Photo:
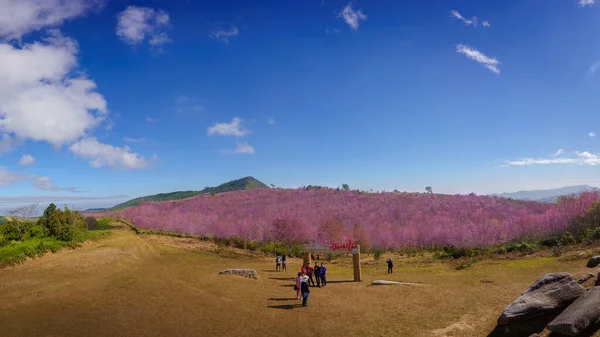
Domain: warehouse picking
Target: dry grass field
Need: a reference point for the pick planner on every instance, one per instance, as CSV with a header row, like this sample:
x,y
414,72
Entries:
x,y
129,285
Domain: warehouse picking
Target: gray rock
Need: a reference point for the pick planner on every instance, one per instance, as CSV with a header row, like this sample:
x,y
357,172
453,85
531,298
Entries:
x,y
251,273
580,315
593,261
585,278
546,295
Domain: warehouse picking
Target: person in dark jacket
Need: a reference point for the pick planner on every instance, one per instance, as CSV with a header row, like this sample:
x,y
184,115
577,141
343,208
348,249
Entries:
x,y
390,264
317,272
305,290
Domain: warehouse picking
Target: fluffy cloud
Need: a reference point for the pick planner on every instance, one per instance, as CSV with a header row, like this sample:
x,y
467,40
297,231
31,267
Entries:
x,y
472,21
559,152
9,178
19,17
477,56
45,183
584,3
229,129
580,158
486,24
107,155
352,17
8,143
136,24
224,33
27,159
592,134
244,148
41,97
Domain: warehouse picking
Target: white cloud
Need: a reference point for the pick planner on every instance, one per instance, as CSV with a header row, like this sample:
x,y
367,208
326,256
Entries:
x,y
8,143
150,120
593,68
271,121
244,148
229,129
559,152
332,31
580,158
468,22
352,17
224,33
584,3
592,134
486,24
108,155
8,178
134,140
477,56
20,17
45,183
136,24
42,97
27,159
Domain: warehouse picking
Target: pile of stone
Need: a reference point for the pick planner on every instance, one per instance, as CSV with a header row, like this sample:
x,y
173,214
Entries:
x,y
557,300
250,273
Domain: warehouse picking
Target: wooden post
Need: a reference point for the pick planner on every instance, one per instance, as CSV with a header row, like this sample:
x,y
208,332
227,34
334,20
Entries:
x,y
356,263
307,258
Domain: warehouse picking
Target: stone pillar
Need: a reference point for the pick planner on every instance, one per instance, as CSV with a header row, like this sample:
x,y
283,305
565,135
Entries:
x,y
307,258
356,263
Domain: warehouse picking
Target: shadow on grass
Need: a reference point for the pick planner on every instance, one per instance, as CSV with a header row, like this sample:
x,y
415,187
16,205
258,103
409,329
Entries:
x,y
283,278
283,299
341,281
528,328
288,285
286,306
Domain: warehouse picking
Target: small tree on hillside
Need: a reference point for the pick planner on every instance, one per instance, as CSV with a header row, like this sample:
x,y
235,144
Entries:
x,y
345,187
20,221
429,189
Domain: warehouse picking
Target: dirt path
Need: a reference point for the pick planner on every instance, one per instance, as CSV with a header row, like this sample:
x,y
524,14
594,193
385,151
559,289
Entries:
x,y
129,285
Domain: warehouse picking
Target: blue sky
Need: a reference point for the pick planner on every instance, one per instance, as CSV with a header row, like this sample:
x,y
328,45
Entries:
x,y
138,97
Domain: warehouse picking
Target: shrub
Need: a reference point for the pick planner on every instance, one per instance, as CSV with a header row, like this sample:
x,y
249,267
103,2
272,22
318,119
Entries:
x,y
91,222
567,239
377,253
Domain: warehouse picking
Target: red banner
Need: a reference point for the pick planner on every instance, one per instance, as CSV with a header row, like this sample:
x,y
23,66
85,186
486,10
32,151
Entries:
x,y
337,246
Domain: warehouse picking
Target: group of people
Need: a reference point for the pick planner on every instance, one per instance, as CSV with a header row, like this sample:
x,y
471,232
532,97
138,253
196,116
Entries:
x,y
281,263
305,278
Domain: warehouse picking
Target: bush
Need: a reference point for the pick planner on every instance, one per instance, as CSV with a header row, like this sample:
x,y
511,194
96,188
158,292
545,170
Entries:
x,y
567,239
550,242
91,222
377,253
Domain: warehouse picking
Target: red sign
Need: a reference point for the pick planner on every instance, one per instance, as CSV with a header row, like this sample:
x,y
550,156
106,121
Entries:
x,y
338,246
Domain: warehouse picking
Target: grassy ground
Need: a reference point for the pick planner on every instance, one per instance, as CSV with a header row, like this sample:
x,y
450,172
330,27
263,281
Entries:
x,y
128,285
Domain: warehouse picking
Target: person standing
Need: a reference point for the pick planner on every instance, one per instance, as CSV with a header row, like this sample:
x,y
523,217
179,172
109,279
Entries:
x,y
278,263
303,270
305,290
317,272
323,272
309,273
299,286
390,264
283,263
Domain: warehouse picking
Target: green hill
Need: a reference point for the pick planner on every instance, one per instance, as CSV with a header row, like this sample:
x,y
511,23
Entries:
x,y
246,183
2,220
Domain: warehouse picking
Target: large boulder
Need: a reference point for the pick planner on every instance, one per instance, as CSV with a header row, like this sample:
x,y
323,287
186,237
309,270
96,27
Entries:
x,y
579,316
593,261
548,294
251,273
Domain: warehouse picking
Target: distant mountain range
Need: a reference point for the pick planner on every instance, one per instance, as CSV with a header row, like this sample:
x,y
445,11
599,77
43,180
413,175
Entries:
x,y
246,183
550,195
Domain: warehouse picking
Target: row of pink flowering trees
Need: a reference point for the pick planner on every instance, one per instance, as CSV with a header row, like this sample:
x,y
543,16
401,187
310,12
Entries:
x,y
381,219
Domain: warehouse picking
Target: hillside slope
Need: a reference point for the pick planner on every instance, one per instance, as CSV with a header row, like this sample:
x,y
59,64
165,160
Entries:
x,y
246,183
550,195
383,219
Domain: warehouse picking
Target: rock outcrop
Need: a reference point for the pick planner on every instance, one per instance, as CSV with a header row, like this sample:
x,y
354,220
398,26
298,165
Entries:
x,y
580,315
593,261
585,278
547,295
250,273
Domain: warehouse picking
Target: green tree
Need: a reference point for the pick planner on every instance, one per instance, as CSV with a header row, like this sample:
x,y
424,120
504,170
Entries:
x,y
429,189
345,187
